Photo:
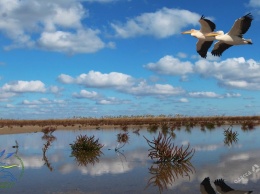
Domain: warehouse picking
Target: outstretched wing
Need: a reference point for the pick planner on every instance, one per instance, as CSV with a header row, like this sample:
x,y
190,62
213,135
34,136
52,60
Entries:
x,y
219,48
207,26
222,186
241,25
205,187
202,47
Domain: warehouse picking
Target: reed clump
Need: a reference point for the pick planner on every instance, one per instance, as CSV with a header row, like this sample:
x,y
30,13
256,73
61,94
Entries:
x,y
122,137
162,150
86,149
164,175
230,136
49,130
85,143
247,125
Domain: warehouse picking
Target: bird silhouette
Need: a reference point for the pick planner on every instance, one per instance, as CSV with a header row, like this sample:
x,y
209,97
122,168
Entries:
x,y
204,42
205,187
233,37
221,187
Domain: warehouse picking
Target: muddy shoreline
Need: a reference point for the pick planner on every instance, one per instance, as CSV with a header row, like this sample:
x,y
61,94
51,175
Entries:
x,y
8,126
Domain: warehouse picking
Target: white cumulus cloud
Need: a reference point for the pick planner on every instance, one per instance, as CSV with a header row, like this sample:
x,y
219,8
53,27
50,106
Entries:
x,y
83,41
162,23
86,94
204,95
143,89
99,80
254,3
24,86
169,65
49,25
233,72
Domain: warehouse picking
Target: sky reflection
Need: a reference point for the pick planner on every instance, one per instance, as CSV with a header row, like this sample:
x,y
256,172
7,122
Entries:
x,y
127,171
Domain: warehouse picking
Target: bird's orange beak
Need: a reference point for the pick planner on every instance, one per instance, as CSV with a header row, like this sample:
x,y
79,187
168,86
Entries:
x,y
187,32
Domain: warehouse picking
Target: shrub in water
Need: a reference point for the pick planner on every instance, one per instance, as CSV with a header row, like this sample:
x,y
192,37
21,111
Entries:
x,y
163,150
86,149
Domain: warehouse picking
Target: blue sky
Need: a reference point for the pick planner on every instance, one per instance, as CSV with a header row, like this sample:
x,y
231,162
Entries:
x,y
93,58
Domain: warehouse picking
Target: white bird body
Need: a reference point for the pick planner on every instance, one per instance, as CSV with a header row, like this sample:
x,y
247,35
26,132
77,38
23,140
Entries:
x,y
233,37
204,42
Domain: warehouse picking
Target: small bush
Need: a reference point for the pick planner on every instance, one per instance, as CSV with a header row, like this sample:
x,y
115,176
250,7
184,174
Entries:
x,y
163,150
48,130
122,137
230,136
86,150
85,143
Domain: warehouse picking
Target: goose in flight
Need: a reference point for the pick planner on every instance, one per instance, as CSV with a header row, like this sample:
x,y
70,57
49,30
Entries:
x,y
221,187
233,37
204,42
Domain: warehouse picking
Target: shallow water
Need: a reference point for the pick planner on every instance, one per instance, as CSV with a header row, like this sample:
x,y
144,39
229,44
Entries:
x,y
129,169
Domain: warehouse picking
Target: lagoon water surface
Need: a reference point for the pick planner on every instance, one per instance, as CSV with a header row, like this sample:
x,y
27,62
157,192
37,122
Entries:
x,y
46,164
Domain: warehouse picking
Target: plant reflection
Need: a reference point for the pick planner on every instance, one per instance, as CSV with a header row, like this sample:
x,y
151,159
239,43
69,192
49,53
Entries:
x,y
48,134
121,138
152,128
165,174
87,157
248,126
230,136
49,138
86,150
44,157
170,161
163,150
137,132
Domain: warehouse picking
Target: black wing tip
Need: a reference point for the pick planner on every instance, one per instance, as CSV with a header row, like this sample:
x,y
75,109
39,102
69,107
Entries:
x,y
219,181
210,23
216,54
224,187
207,186
205,181
203,55
248,16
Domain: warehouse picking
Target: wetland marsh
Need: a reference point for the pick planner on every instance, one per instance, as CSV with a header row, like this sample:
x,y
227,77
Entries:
x,y
48,165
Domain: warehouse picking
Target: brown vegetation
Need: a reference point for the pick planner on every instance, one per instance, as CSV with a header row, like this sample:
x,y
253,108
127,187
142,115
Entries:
x,y
86,150
153,122
162,150
230,136
170,161
164,175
